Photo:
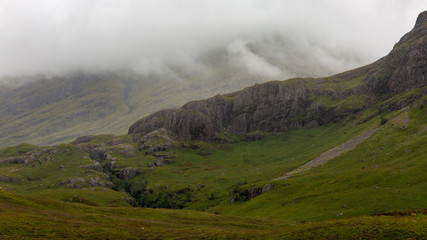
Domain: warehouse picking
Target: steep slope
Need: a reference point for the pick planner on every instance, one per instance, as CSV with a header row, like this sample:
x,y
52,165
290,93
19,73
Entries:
x,y
296,103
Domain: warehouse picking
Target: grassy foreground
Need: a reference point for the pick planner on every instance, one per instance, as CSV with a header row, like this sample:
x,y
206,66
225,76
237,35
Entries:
x,y
23,217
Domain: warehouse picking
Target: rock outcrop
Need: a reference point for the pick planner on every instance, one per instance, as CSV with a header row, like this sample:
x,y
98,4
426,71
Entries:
x,y
29,157
127,173
156,141
83,139
248,194
405,67
81,182
96,166
266,107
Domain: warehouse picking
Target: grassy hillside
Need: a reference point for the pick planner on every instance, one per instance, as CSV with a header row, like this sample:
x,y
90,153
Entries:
x,y
23,217
202,176
384,173
376,190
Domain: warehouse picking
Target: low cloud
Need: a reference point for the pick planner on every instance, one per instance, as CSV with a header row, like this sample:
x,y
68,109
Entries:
x,y
242,56
55,36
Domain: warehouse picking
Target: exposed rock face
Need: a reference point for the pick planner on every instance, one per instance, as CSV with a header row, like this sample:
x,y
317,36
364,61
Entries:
x,y
280,106
267,107
248,194
99,154
127,173
406,65
253,192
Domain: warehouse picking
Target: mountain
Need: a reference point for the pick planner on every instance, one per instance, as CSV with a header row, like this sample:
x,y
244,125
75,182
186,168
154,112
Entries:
x,y
341,157
292,104
55,109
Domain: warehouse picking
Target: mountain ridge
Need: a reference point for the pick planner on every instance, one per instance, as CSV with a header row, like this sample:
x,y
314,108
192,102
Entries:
x,y
48,110
279,106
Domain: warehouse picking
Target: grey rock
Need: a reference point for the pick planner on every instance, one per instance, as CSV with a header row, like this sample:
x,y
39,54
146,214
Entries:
x,y
81,182
156,141
267,187
127,173
158,162
83,139
28,157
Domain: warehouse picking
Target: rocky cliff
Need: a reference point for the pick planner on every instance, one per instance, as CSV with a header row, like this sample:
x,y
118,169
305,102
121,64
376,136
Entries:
x,y
295,103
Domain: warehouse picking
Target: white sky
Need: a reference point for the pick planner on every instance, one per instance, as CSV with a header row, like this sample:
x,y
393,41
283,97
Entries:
x,y
50,36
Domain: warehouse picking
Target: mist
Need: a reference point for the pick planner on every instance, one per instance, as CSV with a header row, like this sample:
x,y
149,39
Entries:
x,y
272,38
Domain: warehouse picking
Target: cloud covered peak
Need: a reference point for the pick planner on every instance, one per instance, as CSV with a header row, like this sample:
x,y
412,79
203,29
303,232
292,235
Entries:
x,y
62,35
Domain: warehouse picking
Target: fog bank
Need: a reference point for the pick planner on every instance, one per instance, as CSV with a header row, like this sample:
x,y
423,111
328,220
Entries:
x,y
266,37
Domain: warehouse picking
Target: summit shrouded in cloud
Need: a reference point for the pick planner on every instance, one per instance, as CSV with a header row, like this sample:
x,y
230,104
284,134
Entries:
x,y
54,36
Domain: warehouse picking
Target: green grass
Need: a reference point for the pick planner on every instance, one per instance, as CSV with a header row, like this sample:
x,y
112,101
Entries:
x,y
44,178
377,169
24,217
337,200
384,173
